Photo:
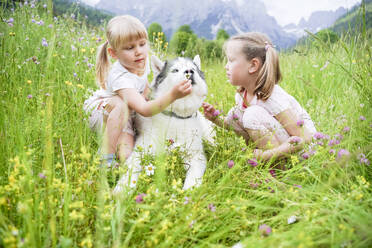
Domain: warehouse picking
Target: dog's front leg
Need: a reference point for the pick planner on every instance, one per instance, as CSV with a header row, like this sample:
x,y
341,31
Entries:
x,y
195,171
130,178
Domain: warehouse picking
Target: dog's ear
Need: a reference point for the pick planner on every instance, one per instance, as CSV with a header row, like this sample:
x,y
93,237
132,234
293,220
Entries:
x,y
197,61
156,64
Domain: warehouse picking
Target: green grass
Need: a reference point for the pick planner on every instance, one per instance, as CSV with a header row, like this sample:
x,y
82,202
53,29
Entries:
x,y
53,194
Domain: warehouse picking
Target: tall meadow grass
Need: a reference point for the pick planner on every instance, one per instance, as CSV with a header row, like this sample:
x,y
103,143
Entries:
x,y
54,194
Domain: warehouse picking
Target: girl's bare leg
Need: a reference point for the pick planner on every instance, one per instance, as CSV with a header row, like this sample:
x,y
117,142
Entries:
x,y
115,121
125,145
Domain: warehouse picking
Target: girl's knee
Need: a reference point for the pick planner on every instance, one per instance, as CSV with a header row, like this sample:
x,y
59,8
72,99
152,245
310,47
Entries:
x,y
117,103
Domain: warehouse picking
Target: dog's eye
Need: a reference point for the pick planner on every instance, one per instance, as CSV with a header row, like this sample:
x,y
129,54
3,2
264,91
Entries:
x,y
175,70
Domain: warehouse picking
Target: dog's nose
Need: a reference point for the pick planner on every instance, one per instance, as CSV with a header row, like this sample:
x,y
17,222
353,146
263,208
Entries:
x,y
189,74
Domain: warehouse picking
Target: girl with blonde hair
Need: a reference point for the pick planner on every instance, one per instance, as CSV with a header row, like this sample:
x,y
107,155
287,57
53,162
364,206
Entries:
x,y
124,87
264,112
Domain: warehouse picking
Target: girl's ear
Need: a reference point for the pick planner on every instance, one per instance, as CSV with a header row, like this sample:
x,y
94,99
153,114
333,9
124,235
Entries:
x,y
112,52
254,65
156,64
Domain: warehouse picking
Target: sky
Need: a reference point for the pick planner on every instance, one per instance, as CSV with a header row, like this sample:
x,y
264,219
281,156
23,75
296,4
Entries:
x,y
291,11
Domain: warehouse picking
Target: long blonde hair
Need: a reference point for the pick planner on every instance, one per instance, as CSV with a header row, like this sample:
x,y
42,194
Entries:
x,y
258,45
119,30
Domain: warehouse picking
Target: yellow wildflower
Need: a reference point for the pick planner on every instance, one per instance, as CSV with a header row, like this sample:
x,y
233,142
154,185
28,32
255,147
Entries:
x,y
80,86
29,81
87,242
74,215
2,201
83,50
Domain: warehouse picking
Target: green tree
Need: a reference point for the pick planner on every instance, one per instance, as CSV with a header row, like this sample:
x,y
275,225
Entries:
x,y
222,35
328,36
185,28
178,43
153,31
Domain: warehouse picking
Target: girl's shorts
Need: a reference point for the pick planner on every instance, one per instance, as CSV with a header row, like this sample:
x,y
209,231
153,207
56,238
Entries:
x,y
96,110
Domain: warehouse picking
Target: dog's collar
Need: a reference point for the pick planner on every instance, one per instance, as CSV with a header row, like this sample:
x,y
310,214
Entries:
x,y
172,114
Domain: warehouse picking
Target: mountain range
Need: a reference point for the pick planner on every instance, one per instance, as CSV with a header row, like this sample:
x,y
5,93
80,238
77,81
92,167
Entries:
x,y
318,20
205,17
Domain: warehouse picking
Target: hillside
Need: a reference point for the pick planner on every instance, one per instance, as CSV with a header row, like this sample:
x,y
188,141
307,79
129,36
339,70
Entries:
x,y
90,15
353,20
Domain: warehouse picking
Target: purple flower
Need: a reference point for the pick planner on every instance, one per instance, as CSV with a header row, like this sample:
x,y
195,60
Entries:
x,y
333,142
272,172
11,20
29,96
305,155
139,198
364,161
343,153
332,151
42,176
312,152
297,185
265,230
339,136
362,118
320,143
300,123
40,23
362,158
346,129
186,200
216,113
252,162
10,24
44,42
235,116
254,185
319,135
44,6
212,207
295,140
230,164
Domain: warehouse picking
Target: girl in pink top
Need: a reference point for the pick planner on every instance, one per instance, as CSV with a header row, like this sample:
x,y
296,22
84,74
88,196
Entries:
x,y
264,112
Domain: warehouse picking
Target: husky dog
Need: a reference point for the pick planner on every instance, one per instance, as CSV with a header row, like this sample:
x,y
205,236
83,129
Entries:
x,y
181,122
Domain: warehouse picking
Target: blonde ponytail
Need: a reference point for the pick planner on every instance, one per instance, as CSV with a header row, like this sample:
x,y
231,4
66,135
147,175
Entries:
x,y
102,65
269,74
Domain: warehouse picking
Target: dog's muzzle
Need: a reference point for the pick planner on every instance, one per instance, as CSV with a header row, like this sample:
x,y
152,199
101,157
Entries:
x,y
189,74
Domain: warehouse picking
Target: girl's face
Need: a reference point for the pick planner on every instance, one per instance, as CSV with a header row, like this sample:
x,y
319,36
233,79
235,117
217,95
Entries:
x,y
237,67
132,55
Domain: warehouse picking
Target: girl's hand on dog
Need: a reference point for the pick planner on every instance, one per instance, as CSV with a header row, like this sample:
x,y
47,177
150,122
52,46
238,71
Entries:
x,y
182,89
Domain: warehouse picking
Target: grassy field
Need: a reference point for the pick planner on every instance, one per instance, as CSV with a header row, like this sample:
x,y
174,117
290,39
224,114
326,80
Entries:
x,y
53,194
